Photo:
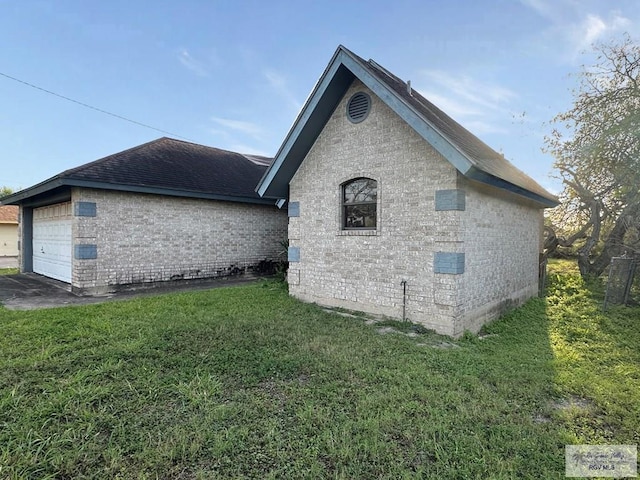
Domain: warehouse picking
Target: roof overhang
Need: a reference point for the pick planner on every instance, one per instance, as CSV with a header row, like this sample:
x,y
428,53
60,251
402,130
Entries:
x,y
480,176
334,82
331,87
343,68
53,188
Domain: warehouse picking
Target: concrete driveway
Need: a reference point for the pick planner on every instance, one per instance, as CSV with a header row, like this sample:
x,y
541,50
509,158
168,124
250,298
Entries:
x,y
30,291
27,291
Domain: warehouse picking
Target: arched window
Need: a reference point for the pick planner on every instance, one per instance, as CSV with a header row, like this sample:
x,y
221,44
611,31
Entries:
x,y
359,198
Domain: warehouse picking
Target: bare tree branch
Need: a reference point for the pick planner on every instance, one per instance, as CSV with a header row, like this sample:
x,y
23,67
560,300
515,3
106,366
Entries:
x,y
596,144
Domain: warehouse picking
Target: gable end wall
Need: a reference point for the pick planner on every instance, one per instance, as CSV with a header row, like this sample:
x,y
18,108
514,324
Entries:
x,y
363,270
496,234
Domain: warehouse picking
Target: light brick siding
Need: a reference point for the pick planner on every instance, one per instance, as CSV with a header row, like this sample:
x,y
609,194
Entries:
x,y
502,235
145,238
363,270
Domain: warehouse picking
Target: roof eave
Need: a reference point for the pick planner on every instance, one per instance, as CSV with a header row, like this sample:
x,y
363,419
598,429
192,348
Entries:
x,y
414,119
38,189
479,175
328,92
47,186
342,69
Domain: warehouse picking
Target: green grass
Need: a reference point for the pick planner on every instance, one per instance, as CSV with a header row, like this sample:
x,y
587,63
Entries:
x,y
9,271
246,382
597,359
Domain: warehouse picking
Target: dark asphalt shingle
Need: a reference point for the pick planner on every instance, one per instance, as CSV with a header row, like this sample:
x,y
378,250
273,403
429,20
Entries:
x,y
471,156
177,165
483,156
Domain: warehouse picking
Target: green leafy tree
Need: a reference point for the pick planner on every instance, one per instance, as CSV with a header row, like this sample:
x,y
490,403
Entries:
x,y
4,191
596,145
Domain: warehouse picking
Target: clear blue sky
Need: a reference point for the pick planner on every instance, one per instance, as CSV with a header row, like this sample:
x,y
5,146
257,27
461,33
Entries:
x,y
234,74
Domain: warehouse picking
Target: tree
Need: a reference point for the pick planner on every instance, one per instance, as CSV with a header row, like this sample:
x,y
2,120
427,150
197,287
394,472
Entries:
x,y
4,191
596,145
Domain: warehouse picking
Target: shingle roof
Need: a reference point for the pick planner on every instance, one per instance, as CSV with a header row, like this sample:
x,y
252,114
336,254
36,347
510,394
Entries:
x,y
467,153
487,159
167,166
9,214
177,165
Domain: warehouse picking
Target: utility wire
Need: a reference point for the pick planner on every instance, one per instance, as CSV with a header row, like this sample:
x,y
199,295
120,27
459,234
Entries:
x,y
93,108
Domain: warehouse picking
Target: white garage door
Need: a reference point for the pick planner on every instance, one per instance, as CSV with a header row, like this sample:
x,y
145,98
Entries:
x,y
52,246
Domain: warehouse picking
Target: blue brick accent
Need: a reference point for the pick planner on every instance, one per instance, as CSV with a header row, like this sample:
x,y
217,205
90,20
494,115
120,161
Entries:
x,y
293,254
447,262
85,251
450,200
85,209
294,209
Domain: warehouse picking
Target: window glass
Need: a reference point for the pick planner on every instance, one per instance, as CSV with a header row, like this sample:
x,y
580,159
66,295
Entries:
x,y
359,198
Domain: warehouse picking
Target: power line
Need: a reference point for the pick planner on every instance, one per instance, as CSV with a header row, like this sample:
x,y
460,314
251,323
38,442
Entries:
x,y
94,108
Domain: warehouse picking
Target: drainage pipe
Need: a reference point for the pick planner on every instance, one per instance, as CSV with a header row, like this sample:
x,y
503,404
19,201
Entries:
x,y
404,300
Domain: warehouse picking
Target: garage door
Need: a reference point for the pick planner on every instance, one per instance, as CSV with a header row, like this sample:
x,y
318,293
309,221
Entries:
x,y
52,246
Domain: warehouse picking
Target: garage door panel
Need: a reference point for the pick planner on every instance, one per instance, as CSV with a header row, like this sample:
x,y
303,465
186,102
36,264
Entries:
x,y
52,242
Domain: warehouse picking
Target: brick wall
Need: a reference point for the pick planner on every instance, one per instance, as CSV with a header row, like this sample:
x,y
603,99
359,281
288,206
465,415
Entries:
x,y
502,235
134,238
363,270
434,249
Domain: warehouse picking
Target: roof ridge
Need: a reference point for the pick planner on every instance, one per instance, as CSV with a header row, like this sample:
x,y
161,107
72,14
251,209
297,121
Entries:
x,y
423,101
437,111
471,156
166,166
81,168
84,166
441,115
200,145
419,97
377,66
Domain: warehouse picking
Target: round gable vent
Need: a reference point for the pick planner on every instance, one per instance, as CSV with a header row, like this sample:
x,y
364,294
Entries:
x,y
358,107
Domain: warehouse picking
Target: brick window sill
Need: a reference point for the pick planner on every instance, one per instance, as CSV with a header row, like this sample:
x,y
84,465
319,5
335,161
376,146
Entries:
x,y
358,233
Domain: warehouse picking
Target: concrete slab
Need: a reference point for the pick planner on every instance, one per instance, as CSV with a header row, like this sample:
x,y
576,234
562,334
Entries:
x,y
30,291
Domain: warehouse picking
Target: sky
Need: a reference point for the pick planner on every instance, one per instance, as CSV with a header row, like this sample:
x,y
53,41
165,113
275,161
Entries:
x,y
234,74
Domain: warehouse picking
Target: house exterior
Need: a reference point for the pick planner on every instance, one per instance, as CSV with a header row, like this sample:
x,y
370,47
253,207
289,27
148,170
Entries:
x,y
8,231
396,209
165,210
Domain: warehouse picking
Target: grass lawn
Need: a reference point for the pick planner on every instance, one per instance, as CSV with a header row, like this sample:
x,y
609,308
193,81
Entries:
x,y
9,271
245,382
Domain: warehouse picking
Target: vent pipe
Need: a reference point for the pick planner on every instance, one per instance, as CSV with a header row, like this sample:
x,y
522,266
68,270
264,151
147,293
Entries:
x,y
404,300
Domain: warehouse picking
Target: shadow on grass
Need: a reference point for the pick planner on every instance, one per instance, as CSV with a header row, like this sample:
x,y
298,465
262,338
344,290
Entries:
x,y
250,383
